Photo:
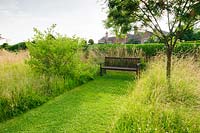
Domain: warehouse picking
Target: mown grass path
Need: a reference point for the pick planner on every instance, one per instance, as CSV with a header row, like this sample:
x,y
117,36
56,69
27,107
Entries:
x,y
91,107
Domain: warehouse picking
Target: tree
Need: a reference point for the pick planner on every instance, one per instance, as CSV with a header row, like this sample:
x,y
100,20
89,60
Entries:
x,y
5,46
91,41
190,35
18,46
181,15
118,22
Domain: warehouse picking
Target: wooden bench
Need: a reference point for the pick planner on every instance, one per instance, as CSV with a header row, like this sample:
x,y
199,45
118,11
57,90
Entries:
x,y
122,64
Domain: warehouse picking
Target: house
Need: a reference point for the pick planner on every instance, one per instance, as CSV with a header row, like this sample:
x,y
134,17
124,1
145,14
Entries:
x,y
111,40
1,37
107,40
140,37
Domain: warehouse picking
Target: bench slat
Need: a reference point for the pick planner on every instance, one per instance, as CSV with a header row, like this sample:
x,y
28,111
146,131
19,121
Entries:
x,y
123,64
119,68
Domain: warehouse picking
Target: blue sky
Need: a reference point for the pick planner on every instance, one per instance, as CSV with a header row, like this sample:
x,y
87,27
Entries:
x,y
73,17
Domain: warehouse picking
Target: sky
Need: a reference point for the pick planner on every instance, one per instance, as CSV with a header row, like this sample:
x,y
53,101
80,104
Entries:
x,y
82,18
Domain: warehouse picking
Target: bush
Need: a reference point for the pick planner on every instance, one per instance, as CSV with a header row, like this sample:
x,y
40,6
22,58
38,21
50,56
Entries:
x,y
56,55
17,47
154,107
4,46
14,48
91,41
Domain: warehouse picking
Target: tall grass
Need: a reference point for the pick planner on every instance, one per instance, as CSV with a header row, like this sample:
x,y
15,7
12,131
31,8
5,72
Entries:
x,y
98,54
13,57
154,107
22,89
146,51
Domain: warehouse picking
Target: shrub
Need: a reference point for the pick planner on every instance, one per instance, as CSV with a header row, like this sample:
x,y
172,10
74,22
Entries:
x,y
91,41
50,55
56,55
4,46
17,47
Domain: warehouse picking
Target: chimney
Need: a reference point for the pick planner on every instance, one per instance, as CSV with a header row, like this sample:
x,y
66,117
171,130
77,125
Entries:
x,y
106,37
135,30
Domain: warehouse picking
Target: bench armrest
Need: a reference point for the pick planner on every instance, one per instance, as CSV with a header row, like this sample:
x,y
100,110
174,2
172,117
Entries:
x,y
138,65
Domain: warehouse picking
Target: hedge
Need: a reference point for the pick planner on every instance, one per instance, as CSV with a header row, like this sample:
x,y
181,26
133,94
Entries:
x,y
15,47
149,49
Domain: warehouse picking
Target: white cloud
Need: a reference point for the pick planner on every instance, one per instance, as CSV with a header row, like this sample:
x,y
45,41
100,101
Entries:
x,y
83,18
8,4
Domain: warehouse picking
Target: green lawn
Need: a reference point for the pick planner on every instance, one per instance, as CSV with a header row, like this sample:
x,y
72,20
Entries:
x,y
91,107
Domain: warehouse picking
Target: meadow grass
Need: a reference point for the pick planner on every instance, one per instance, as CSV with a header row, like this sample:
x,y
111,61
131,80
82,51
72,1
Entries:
x,y
154,107
22,89
91,107
19,86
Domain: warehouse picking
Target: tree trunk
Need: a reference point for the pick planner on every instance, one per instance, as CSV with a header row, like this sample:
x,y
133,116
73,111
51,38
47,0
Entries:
x,y
169,62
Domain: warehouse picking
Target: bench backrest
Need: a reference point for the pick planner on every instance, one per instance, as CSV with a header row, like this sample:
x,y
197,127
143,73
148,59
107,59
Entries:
x,y
121,62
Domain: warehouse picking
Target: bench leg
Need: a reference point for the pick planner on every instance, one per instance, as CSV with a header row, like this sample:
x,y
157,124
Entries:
x,y
105,71
101,72
138,74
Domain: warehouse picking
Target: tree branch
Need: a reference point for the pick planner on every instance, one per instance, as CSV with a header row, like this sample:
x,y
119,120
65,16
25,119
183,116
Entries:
x,y
169,26
181,13
149,10
148,17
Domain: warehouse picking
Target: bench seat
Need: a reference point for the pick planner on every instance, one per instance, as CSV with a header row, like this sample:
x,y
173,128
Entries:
x,y
119,68
121,64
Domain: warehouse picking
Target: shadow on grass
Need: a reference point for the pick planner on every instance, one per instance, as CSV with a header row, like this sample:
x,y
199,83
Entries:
x,y
118,75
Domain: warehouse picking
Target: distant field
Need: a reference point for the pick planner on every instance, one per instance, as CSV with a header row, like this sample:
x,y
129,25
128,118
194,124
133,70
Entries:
x,y
13,57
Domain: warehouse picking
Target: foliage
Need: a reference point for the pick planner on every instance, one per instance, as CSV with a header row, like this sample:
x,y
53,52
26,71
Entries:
x,y
18,46
91,41
190,35
153,39
56,55
15,47
133,41
114,21
163,109
4,45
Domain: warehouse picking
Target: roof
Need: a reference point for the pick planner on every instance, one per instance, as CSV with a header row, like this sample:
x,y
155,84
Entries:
x,y
1,37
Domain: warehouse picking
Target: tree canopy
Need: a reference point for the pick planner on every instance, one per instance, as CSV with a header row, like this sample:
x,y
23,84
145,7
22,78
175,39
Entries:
x,y
181,15
190,35
91,41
